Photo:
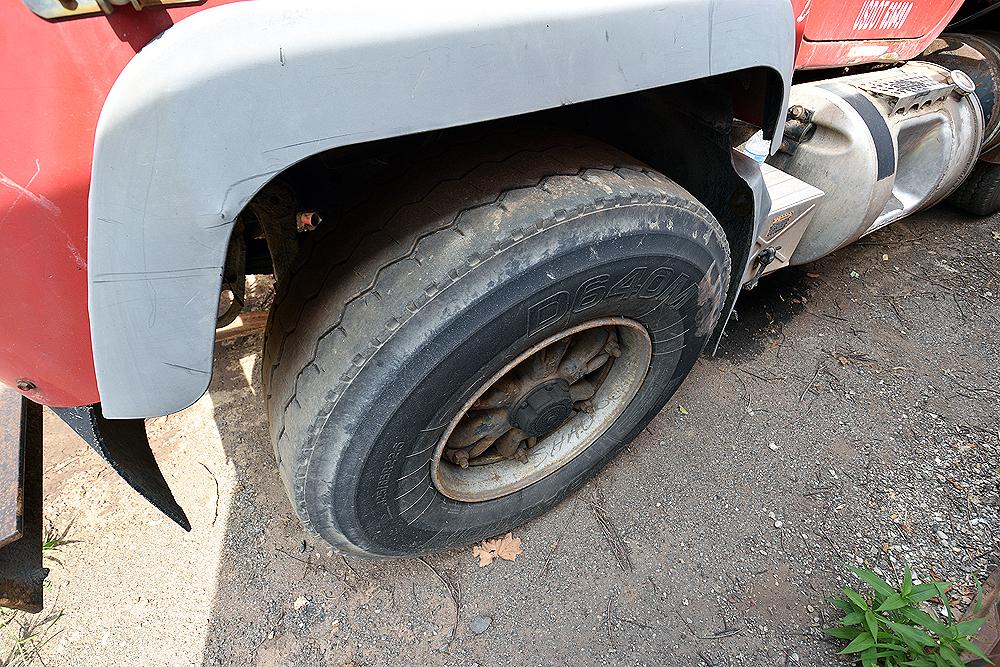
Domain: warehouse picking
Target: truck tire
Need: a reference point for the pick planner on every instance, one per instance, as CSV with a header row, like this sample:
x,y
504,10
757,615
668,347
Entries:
x,y
523,309
980,193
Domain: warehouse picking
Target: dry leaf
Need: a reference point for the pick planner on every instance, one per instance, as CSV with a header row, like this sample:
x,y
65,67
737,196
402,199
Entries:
x,y
507,547
682,409
486,551
510,547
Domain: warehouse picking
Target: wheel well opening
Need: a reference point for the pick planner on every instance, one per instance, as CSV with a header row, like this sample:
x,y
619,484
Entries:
x,y
685,131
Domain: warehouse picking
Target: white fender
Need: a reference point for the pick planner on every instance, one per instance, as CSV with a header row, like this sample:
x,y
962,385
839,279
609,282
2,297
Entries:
x,y
207,113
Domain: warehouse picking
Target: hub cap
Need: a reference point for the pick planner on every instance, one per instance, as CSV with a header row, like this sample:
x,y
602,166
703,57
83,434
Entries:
x,y
542,409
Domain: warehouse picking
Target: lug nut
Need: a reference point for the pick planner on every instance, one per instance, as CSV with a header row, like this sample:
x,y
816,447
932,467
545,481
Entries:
x,y
459,457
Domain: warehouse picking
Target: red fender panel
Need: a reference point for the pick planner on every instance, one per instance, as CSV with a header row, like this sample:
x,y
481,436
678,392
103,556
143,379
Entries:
x,y
55,78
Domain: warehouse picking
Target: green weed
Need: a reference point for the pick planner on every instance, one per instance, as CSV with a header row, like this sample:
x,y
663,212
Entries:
x,y
53,540
26,635
888,628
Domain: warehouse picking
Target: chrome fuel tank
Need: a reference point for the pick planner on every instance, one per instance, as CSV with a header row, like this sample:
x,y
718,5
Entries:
x,y
881,145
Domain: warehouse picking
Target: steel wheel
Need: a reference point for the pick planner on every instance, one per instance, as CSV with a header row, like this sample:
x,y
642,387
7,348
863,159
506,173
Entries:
x,y
541,410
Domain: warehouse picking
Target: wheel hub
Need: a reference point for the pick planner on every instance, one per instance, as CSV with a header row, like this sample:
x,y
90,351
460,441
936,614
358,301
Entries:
x,y
544,409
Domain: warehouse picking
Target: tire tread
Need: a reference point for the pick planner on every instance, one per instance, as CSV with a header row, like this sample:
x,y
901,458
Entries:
x,y
980,193
366,273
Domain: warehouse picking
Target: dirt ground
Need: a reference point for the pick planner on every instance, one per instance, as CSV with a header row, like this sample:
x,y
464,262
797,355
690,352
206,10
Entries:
x,y
850,417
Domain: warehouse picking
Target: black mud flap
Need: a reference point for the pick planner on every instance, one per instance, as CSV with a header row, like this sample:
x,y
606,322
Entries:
x,y
124,445
21,573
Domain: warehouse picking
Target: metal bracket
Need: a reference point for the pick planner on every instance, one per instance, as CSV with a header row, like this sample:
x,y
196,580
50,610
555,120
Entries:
x,y
124,445
763,258
11,468
21,573
908,93
988,637
799,128
67,9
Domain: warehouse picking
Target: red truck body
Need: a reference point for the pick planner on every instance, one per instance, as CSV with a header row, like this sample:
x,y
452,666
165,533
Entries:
x,y
51,105
838,34
49,115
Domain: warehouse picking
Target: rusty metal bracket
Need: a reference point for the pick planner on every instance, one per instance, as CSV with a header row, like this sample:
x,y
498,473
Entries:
x,y
988,637
21,573
67,9
11,468
124,445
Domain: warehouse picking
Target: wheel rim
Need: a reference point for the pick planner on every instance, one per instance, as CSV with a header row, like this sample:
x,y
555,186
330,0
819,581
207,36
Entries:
x,y
542,410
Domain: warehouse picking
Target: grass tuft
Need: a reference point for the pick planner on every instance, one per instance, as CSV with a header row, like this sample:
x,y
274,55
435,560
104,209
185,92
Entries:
x,y
889,626
27,635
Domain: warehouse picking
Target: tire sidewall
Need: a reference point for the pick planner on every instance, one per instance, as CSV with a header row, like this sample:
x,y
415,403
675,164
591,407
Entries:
x,y
368,484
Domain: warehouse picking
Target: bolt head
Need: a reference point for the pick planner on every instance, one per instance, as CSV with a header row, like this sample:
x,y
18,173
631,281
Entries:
x,y
306,221
25,385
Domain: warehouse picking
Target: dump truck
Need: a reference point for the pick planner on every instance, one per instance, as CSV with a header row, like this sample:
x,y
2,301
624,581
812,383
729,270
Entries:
x,y
501,234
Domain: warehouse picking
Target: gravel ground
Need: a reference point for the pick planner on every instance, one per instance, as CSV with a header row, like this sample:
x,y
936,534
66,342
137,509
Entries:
x,y
850,417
